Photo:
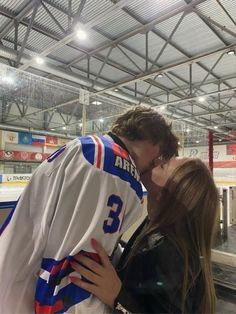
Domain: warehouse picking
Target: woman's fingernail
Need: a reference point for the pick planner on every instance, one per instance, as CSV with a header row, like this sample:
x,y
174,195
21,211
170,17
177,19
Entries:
x,y
94,242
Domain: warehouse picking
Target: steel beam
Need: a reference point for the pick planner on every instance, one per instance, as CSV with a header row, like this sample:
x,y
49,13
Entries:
x,y
27,9
86,27
53,18
27,33
144,28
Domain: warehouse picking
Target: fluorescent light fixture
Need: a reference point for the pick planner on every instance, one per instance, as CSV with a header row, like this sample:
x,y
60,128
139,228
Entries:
x,y
96,103
81,34
215,127
201,98
197,142
80,125
179,143
8,79
64,128
220,140
39,60
116,89
160,75
187,130
163,107
52,129
231,52
101,120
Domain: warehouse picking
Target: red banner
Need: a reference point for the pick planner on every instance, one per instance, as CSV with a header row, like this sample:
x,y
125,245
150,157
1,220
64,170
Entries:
x,y
51,141
22,156
231,149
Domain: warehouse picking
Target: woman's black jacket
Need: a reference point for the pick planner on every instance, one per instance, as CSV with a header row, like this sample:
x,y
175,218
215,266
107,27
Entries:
x,y
152,281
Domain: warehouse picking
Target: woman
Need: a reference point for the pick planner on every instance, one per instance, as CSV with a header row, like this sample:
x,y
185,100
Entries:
x,y
165,267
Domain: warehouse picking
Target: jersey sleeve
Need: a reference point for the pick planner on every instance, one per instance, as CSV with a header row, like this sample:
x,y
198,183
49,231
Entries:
x,y
23,236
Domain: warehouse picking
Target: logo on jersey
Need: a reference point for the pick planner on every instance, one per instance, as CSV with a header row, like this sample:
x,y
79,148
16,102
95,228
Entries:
x,y
54,292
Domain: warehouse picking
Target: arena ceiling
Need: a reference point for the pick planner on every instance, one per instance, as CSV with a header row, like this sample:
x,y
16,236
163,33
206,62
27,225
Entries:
x,y
176,55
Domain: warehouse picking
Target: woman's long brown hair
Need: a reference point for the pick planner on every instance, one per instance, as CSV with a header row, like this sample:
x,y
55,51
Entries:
x,y
186,214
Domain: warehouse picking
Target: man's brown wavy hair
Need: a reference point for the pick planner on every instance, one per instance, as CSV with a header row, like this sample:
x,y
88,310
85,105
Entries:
x,y
145,123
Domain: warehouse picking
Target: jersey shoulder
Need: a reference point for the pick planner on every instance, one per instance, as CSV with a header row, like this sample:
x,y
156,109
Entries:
x,y
110,157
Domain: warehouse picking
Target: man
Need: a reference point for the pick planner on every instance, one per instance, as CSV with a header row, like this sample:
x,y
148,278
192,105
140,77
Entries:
x,y
89,188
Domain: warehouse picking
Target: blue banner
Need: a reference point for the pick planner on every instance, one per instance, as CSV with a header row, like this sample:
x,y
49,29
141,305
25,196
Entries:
x,y
25,138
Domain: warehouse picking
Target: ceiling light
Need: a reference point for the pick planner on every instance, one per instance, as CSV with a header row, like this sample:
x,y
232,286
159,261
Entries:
x,y
160,75
80,125
81,34
163,107
8,79
52,129
39,60
187,130
96,103
201,99
197,142
215,127
64,128
179,143
101,120
116,90
231,52
220,140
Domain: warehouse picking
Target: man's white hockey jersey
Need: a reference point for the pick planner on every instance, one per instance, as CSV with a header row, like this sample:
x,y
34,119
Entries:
x,y
87,189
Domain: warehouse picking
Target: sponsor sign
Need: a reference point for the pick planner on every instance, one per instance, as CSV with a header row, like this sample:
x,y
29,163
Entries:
x,y
16,177
23,156
231,149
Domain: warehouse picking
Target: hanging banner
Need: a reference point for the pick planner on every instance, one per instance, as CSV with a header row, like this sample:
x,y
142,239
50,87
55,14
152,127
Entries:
x,y
38,140
51,141
22,156
10,137
231,149
25,138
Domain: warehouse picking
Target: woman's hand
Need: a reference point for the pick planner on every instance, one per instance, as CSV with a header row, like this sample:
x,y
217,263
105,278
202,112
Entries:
x,y
105,283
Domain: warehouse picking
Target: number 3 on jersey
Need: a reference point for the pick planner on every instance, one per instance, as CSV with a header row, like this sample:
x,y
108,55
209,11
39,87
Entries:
x,y
111,225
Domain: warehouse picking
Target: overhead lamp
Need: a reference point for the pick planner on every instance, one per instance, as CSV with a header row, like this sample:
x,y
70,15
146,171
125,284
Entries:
x,y
116,90
8,79
201,98
80,125
160,75
64,128
179,143
220,139
215,127
96,103
39,60
230,52
187,130
197,142
163,107
101,120
81,34
52,129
